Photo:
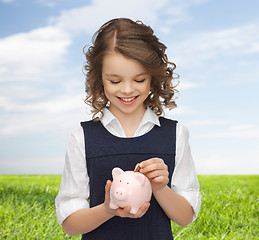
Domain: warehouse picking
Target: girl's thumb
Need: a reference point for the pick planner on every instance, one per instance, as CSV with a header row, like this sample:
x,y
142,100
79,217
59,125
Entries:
x,y
107,188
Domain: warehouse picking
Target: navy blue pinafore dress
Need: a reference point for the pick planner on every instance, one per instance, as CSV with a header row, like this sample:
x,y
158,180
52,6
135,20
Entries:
x,y
105,151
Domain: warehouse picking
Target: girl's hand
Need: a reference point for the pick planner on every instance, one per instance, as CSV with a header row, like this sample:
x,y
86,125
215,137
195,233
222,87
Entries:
x,y
156,171
122,212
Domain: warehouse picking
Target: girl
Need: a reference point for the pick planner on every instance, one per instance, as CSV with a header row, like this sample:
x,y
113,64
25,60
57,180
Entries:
x,y
128,82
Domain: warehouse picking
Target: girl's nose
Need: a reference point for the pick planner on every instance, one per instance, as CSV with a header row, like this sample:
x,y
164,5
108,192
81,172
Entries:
x,y
127,88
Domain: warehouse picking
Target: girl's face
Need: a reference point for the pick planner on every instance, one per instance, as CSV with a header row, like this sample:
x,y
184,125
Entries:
x,y
126,84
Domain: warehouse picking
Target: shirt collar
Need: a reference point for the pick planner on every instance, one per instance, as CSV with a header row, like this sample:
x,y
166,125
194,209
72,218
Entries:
x,y
149,117
108,117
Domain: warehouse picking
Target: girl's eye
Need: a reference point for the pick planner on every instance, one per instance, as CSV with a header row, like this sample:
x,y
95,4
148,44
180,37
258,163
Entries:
x,y
140,81
115,82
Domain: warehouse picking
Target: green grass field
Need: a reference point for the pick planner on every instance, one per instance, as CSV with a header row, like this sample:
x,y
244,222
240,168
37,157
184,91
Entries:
x,y
229,208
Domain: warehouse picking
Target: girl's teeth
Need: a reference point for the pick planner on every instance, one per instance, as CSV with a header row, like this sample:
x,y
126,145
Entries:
x,y
127,99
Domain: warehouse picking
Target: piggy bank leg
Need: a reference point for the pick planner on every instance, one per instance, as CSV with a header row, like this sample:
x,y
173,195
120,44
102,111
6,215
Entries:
x,y
134,210
113,206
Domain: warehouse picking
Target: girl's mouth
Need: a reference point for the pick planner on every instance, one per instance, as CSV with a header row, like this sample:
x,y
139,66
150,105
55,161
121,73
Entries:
x,y
128,100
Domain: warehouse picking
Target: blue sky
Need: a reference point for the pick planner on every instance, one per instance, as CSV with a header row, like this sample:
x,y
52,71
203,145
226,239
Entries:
x,y
215,45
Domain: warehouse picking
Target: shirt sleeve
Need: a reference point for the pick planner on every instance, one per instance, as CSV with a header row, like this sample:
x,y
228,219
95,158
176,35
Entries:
x,y
184,180
74,188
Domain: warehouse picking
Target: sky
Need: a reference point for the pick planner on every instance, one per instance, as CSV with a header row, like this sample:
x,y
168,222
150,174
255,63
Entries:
x,y
214,44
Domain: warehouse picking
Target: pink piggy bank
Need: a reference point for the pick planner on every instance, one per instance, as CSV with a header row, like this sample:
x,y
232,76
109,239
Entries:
x,y
129,189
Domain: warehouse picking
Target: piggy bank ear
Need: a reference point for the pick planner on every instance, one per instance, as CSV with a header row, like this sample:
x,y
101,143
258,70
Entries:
x,y
140,178
116,172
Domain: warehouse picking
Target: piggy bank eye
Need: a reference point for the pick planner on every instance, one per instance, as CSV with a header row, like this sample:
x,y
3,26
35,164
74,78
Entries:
x,y
120,180
127,182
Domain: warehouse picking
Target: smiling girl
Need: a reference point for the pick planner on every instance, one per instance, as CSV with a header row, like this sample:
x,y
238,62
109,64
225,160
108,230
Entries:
x,y
128,83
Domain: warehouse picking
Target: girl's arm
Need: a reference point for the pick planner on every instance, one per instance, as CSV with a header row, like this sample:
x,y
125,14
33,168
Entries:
x,y
86,220
182,201
176,207
73,211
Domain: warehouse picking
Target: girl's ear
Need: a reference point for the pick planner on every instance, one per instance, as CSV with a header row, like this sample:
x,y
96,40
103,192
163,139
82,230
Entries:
x,y
140,178
116,172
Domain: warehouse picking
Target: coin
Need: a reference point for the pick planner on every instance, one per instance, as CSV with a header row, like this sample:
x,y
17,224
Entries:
x,y
137,167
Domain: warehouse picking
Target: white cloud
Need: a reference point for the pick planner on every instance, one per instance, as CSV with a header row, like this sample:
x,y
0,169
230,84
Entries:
x,y
221,164
7,1
53,113
242,127
29,62
207,122
59,104
91,17
49,165
183,110
186,85
178,11
37,123
201,47
48,3
236,131
25,56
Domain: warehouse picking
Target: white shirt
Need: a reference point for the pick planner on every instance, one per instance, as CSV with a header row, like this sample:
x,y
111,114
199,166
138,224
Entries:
x,y
74,188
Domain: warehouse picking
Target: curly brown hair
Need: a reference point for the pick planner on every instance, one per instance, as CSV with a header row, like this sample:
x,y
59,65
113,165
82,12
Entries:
x,y
137,41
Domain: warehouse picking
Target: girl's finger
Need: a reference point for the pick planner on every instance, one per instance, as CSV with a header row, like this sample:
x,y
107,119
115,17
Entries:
x,y
157,173
108,187
154,167
124,212
150,161
160,179
143,209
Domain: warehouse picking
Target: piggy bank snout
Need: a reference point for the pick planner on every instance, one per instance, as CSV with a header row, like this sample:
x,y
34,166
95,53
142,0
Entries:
x,y
120,193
